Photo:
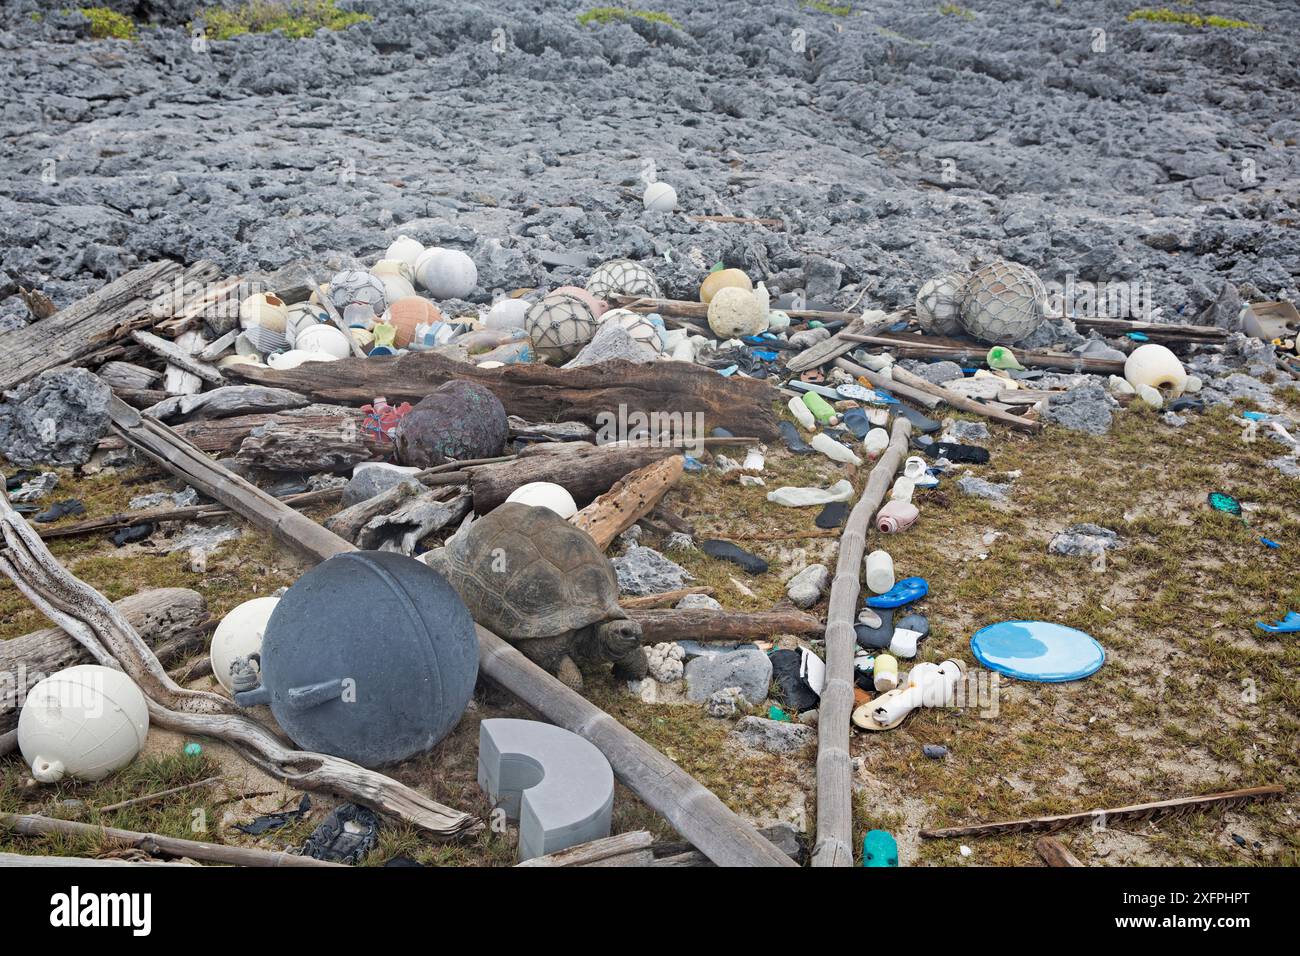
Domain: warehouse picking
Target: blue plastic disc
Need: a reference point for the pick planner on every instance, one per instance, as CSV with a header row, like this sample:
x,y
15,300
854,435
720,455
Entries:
x,y
1037,651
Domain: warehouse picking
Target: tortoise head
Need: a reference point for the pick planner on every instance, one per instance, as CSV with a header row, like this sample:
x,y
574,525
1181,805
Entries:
x,y
618,638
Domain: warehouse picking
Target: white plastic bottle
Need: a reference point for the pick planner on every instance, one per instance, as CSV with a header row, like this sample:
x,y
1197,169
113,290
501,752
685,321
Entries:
x,y
875,443
802,415
880,571
902,490
833,450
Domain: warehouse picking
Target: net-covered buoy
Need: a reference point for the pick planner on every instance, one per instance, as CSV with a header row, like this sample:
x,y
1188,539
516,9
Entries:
x,y
622,277
938,304
1002,303
370,656
560,325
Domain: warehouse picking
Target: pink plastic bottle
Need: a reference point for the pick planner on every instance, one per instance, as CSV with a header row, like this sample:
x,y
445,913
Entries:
x,y
896,516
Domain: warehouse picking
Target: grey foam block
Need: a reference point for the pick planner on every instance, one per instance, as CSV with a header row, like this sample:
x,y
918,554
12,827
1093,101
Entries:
x,y
558,786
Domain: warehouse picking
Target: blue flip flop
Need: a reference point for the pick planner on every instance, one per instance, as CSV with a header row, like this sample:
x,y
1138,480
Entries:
x,y
1288,625
904,592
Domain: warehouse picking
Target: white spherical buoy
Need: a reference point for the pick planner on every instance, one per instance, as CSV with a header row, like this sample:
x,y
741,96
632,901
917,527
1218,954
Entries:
x,y
546,494
735,312
1155,366
446,273
938,304
660,197
1002,303
405,249
239,635
323,338
507,314
303,315
84,722
359,297
396,276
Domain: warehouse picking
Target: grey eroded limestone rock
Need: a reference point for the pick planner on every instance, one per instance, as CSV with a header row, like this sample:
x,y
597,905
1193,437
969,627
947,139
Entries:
x,y
1085,539
805,588
727,703
698,601
979,488
938,373
750,670
373,478
643,570
774,736
56,418
1084,408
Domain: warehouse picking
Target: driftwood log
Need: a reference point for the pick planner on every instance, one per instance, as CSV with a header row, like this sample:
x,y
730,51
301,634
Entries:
x,y
227,402
177,354
400,517
705,624
34,825
135,300
621,849
111,640
1056,853
662,599
632,497
670,392
834,845
157,616
902,390
585,470
1138,811
693,810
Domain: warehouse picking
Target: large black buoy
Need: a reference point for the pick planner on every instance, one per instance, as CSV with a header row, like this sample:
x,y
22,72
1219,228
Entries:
x,y
370,656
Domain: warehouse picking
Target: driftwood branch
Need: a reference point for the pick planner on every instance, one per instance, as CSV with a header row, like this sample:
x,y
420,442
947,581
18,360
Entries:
x,y
662,599
34,825
705,624
586,471
157,616
633,496
1056,853
834,845
1138,811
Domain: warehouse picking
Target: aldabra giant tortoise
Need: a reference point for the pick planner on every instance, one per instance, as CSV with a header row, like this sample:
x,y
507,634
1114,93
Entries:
x,y
543,585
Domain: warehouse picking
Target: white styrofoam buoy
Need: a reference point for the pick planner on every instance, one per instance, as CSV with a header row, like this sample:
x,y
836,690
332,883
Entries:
x,y
446,273
83,722
659,197
238,635
507,314
546,494
323,338
405,249
1156,366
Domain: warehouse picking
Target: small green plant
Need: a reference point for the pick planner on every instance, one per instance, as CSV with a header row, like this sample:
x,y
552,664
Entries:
x,y
1165,15
293,18
956,10
603,15
821,6
108,24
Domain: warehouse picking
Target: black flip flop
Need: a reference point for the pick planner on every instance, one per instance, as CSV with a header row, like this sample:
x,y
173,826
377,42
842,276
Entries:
x,y
922,423
62,509
726,551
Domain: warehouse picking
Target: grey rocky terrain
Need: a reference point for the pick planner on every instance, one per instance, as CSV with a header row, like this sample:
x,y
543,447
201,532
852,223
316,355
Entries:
x,y
893,144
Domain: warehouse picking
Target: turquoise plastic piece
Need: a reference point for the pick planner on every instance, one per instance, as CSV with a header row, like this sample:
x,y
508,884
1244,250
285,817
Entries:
x,y
879,848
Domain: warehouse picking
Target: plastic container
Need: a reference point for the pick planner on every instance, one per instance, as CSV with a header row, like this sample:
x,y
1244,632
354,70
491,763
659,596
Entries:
x,y
880,571
885,673
902,490
896,516
820,408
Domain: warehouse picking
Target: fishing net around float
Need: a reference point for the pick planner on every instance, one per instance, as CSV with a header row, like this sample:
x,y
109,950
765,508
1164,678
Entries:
x,y
622,277
1002,303
560,325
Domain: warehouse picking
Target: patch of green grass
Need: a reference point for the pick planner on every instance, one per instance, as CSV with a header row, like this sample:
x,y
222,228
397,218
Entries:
x,y
294,18
1165,15
956,10
603,15
821,6
106,24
